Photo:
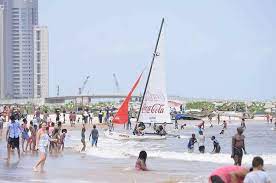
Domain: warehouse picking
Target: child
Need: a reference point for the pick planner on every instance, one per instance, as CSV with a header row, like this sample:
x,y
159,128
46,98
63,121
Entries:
x,y
183,126
25,135
216,145
191,143
141,161
62,138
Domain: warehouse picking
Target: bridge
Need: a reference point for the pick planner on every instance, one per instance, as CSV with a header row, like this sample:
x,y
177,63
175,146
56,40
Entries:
x,y
63,99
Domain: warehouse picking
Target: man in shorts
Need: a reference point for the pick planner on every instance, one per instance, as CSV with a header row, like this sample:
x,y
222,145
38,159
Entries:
x,y
12,136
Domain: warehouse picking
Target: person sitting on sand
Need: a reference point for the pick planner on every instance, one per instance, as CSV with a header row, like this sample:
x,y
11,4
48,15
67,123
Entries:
x,y
228,174
141,161
257,173
216,145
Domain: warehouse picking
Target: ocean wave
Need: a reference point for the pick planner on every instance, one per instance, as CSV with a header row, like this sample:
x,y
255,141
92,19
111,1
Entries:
x,y
120,153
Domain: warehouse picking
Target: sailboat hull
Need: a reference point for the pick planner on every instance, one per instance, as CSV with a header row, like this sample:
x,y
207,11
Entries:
x,y
124,136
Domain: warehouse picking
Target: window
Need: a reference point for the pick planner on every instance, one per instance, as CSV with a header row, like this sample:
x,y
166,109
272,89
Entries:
x,y
38,35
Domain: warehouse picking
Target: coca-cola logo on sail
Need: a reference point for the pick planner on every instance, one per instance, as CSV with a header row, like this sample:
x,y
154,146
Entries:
x,y
155,108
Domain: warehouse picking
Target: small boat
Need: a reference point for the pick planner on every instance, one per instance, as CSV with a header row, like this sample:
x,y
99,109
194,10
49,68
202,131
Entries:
x,y
125,136
154,108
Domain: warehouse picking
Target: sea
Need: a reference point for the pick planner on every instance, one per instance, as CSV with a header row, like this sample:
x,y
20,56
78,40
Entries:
x,y
168,160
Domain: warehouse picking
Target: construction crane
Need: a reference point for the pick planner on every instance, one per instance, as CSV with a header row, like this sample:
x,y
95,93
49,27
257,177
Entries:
x,y
116,83
83,85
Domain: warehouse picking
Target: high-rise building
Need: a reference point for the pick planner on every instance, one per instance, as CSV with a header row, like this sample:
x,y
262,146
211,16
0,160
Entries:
x,y
20,16
2,65
41,63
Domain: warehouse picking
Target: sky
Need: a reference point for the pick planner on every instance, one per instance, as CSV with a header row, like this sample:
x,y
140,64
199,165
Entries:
x,y
213,49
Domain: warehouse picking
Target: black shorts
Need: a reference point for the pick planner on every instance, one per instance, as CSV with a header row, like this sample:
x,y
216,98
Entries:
x,y
201,149
238,152
13,142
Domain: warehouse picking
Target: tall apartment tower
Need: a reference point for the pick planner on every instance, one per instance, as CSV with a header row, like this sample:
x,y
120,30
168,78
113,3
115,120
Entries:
x,y
2,65
20,16
41,62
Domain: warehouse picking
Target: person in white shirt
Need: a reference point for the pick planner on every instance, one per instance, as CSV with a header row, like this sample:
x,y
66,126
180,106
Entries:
x,y
201,141
257,175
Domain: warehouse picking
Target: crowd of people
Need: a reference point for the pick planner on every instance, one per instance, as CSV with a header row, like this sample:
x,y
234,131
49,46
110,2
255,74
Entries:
x,y
44,136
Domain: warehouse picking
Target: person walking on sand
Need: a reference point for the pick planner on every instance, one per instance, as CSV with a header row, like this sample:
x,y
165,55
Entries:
x,y
238,146
12,136
95,135
83,138
141,161
42,139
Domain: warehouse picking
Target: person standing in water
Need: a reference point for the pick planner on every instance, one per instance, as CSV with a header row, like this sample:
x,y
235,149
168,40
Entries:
x,y
12,136
201,126
25,135
141,161
191,143
1,125
243,123
201,141
42,139
238,147
83,137
95,135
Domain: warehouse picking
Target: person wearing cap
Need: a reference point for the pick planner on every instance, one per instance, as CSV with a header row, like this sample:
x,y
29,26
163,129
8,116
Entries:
x,y
238,146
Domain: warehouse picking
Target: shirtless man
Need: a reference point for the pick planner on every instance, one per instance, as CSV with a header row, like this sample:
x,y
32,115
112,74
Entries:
x,y
238,146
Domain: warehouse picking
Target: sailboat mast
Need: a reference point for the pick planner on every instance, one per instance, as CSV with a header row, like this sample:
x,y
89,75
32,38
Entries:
x,y
154,55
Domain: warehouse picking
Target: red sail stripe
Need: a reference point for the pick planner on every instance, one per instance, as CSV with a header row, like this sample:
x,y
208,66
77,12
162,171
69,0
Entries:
x,y
121,116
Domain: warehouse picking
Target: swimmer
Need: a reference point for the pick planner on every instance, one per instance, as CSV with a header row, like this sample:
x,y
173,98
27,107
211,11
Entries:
x,y
141,161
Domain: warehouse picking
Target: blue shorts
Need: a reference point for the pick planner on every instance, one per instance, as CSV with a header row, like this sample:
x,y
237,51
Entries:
x,y
94,141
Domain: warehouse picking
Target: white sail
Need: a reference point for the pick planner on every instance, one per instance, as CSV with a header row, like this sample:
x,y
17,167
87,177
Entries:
x,y
155,108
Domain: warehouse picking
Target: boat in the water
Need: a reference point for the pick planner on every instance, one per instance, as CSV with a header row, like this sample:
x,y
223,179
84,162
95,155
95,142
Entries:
x,y
154,108
125,136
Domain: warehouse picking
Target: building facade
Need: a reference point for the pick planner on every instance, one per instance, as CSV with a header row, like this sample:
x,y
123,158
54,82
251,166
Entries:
x,y
41,62
19,19
24,54
2,65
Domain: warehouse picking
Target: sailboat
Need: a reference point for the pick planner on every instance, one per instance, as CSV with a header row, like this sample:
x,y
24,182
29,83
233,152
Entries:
x,y
154,107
